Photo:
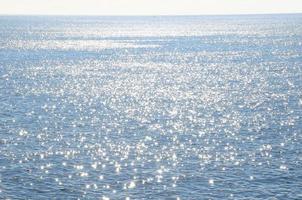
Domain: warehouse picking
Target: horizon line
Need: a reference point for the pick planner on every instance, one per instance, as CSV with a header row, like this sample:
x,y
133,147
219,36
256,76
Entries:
x,y
148,15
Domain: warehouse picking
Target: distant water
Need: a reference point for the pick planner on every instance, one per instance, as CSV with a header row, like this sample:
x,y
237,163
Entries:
x,y
151,107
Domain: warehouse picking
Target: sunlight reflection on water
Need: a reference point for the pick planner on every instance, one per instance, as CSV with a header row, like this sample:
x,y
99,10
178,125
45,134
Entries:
x,y
151,107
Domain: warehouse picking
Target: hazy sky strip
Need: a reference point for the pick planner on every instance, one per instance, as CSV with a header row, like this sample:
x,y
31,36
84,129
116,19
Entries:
x,y
148,7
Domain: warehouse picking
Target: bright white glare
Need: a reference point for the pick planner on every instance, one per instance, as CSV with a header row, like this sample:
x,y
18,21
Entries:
x,y
148,7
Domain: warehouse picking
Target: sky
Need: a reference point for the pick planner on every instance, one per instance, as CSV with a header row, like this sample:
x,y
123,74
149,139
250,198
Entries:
x,y
148,7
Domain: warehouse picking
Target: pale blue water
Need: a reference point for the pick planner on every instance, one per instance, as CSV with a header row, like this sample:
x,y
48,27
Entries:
x,y
151,107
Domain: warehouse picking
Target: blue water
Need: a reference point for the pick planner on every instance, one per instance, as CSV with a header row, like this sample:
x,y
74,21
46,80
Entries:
x,y
205,107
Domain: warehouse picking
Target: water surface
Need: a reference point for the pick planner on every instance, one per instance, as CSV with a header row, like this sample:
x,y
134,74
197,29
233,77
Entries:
x,y
204,107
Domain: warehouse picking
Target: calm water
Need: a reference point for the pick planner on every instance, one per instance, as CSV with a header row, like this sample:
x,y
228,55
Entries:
x,y
151,107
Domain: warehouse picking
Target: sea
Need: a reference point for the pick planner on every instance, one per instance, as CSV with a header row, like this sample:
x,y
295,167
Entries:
x,y
151,107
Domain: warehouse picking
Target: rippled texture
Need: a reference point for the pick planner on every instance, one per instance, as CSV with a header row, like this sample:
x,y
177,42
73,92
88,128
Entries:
x,y
151,107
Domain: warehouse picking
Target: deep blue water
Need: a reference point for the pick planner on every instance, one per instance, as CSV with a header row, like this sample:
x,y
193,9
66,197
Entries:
x,y
205,107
